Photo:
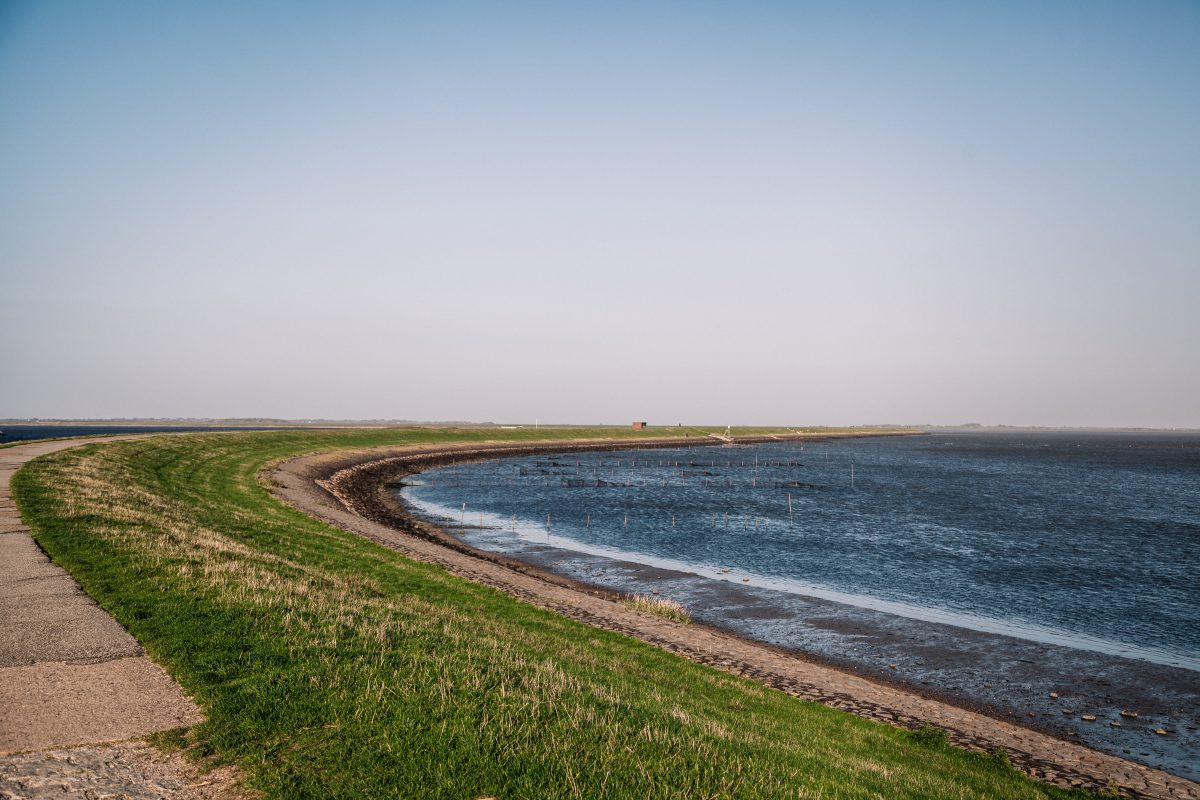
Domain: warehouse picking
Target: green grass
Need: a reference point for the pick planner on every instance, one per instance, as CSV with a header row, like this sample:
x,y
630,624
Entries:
x,y
332,667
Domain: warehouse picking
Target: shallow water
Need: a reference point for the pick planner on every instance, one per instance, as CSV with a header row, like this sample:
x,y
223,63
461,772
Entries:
x,y
1088,540
1042,545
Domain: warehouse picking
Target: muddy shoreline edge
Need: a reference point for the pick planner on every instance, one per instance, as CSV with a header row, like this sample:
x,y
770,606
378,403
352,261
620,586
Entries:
x,y
351,491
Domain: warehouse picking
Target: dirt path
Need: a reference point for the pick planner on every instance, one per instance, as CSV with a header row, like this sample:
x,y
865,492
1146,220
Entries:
x,y
72,677
345,490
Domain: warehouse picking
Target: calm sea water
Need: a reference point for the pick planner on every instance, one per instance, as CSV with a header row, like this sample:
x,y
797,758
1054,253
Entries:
x,y
1087,540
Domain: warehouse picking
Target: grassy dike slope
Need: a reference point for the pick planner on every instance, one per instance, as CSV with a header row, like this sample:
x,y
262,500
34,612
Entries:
x,y
329,666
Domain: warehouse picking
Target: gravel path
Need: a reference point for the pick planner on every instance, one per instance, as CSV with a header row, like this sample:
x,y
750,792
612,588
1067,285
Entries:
x,y
128,771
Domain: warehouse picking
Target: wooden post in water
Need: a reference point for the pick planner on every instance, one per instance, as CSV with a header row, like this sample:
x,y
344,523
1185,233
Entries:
x,y
791,519
626,520
463,522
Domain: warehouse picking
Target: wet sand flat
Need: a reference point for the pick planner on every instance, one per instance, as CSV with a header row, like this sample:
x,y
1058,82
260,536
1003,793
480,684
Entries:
x,y
1044,686
347,490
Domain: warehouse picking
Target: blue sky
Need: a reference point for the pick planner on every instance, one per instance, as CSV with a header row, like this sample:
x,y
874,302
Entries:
x,y
700,212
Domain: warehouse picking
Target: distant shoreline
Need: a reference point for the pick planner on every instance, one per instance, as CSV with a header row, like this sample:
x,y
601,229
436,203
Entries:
x,y
274,422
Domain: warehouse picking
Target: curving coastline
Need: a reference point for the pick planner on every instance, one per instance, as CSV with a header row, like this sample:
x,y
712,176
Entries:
x,y
349,491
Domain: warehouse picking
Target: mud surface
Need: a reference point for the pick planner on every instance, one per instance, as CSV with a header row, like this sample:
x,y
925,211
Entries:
x,y
998,675
348,490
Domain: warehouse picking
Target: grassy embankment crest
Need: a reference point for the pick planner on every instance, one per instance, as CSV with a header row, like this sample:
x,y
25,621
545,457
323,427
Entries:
x,y
332,667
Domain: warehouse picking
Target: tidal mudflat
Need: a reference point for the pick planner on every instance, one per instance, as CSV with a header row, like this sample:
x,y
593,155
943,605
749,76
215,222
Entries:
x,y
1045,578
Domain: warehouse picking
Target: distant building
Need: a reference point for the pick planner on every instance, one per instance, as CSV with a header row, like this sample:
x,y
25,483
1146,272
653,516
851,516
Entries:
x,y
637,426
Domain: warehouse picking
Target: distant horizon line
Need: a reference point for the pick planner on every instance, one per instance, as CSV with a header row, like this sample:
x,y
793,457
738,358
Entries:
x,y
315,421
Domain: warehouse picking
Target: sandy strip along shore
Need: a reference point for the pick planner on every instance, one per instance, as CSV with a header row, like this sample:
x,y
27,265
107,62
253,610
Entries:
x,y
348,490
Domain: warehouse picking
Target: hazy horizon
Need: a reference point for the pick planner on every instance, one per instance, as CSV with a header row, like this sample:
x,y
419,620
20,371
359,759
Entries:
x,y
251,422
825,214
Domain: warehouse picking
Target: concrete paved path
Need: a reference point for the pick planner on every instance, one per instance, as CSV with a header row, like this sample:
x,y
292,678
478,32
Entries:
x,y
69,673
